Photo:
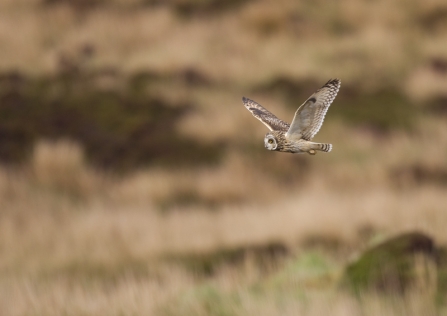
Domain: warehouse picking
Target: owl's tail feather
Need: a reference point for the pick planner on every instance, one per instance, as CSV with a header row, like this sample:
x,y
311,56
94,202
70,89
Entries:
x,y
323,147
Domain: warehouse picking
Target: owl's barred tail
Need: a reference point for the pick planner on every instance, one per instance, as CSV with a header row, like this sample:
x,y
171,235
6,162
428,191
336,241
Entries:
x,y
324,147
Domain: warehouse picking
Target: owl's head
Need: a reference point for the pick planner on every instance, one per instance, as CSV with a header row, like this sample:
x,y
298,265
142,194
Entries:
x,y
270,141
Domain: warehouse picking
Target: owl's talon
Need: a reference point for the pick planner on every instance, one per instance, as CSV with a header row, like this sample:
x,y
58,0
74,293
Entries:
x,y
312,152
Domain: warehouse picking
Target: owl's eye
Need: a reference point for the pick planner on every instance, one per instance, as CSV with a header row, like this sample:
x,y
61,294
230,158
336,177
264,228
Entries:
x,y
270,141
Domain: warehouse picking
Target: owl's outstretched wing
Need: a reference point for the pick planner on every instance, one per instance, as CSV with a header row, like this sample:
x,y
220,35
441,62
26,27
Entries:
x,y
267,118
310,115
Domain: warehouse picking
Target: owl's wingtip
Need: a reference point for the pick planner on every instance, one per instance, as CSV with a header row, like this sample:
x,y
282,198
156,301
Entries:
x,y
334,80
244,99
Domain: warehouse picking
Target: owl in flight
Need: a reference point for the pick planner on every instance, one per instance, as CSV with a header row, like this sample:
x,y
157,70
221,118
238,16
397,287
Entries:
x,y
295,137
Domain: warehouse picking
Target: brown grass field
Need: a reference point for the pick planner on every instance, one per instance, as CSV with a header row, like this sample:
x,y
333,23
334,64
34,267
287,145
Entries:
x,y
252,232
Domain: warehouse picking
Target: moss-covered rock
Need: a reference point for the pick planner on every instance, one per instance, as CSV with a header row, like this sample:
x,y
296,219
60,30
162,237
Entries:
x,y
394,266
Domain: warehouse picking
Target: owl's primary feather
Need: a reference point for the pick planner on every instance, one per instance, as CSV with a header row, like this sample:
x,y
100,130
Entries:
x,y
267,118
310,115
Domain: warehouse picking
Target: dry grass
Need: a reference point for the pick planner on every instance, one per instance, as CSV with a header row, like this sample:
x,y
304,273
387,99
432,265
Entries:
x,y
393,42
182,296
70,234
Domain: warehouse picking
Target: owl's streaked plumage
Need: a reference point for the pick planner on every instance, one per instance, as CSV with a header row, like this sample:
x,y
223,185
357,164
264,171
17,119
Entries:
x,y
295,137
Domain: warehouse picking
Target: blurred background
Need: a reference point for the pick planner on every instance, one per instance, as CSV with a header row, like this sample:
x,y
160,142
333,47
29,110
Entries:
x,y
134,182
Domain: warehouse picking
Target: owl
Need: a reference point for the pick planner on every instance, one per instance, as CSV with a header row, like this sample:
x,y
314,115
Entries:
x,y
296,137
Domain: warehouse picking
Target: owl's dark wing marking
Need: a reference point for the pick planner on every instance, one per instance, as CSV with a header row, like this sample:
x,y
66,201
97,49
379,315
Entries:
x,y
310,115
267,118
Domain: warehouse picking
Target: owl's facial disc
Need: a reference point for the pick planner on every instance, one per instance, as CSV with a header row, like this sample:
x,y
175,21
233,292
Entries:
x,y
270,142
